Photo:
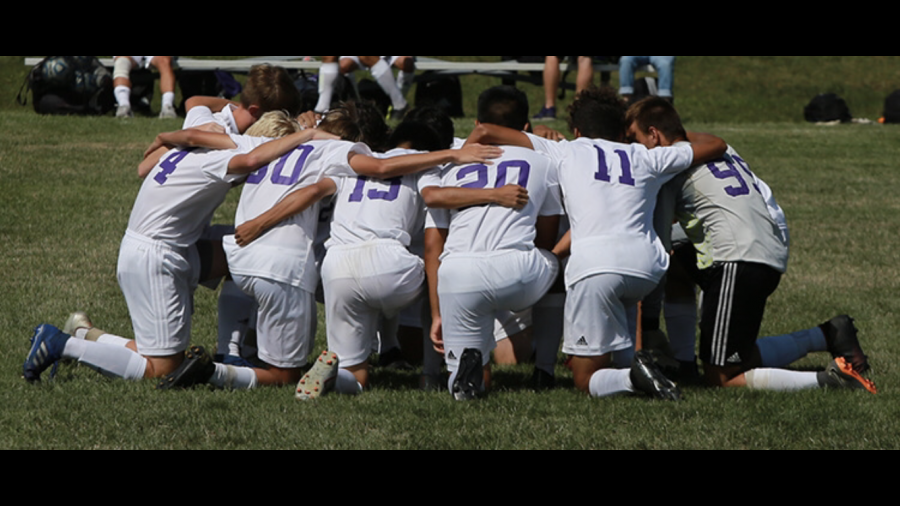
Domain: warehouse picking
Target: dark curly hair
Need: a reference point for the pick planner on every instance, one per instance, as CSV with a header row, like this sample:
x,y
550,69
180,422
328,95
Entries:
x,y
598,113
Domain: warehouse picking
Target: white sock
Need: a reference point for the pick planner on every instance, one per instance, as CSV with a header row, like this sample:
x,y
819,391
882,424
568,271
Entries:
x,y
383,74
113,340
781,351
328,75
236,308
123,95
168,99
346,383
109,360
781,380
681,326
610,382
229,377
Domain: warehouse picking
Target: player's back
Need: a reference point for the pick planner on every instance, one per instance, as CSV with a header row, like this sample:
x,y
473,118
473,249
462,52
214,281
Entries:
x,y
180,195
285,253
493,228
369,209
725,214
610,194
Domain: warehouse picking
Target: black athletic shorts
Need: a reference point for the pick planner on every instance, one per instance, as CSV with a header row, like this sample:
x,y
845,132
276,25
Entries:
x,y
734,301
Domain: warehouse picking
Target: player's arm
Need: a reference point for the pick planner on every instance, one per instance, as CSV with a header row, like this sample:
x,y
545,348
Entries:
x,y
547,232
215,104
190,138
294,203
706,147
435,238
386,168
564,247
512,196
494,134
269,152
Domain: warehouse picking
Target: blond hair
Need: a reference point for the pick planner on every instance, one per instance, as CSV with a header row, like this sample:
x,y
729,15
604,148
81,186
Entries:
x,y
274,124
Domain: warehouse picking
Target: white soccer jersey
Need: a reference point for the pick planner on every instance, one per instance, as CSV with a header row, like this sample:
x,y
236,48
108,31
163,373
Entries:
x,y
202,115
285,253
494,228
180,195
368,209
610,192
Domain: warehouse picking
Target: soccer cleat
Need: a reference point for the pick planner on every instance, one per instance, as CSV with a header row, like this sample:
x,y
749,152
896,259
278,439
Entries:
x,y
320,380
197,369
541,380
77,320
647,377
47,347
168,112
841,374
841,335
124,111
469,382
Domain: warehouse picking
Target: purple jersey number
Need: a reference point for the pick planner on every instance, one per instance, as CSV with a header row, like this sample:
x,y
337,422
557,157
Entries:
x,y
278,176
169,165
483,179
733,172
374,194
603,173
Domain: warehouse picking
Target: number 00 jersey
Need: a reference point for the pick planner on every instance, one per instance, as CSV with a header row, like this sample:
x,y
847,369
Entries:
x,y
725,215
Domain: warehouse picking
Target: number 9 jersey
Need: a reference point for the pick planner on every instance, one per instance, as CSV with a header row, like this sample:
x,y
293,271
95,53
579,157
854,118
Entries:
x,y
724,212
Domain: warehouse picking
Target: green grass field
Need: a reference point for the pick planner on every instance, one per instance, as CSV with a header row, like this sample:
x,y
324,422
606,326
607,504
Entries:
x,y
68,185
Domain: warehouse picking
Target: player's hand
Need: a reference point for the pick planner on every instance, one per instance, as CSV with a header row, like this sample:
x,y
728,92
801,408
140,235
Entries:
x,y
512,196
437,334
157,143
477,153
247,233
548,133
309,119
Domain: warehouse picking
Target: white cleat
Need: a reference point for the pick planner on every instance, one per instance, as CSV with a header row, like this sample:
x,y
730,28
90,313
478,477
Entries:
x,y
77,320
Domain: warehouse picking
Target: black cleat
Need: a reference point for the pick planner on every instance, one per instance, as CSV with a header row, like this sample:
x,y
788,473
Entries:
x,y
541,380
646,377
197,369
843,342
469,382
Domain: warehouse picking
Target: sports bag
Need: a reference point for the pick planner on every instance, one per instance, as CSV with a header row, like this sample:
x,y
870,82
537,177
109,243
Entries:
x,y
64,85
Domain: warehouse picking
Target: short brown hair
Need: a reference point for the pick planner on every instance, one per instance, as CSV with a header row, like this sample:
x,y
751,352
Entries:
x,y
271,89
659,113
357,122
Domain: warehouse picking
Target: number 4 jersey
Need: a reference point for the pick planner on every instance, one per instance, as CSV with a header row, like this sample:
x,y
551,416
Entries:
x,y
723,209
179,196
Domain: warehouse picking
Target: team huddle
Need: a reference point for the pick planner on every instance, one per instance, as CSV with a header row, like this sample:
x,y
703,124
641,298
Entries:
x,y
462,236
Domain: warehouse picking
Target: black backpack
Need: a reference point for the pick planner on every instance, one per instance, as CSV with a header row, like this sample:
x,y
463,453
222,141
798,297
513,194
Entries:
x,y
892,108
826,108
65,85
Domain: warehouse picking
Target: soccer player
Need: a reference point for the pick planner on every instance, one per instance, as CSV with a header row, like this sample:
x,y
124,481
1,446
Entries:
x,y
741,257
381,69
490,258
279,267
122,81
159,265
610,193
